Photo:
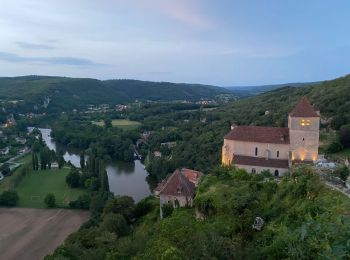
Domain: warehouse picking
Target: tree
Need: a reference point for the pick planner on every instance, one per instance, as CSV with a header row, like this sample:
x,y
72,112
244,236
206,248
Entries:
x,y
50,200
108,123
115,223
5,169
344,136
73,178
60,159
9,198
82,160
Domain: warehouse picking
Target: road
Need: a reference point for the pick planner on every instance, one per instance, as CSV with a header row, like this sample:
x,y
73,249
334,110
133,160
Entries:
x,y
30,234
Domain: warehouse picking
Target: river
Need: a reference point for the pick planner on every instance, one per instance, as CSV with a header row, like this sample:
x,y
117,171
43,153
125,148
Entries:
x,y
124,178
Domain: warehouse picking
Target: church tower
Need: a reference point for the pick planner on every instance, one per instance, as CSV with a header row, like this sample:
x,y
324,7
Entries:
x,y
304,125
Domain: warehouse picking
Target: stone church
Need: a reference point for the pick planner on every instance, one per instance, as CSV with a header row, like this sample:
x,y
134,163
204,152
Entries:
x,y
258,148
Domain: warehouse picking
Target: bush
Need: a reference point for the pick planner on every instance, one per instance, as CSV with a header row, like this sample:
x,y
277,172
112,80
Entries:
x,y
167,210
342,172
9,198
334,147
73,178
142,208
50,200
115,223
83,202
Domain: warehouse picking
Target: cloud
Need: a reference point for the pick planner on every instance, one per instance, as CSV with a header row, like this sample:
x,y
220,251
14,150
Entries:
x,y
11,57
181,10
34,46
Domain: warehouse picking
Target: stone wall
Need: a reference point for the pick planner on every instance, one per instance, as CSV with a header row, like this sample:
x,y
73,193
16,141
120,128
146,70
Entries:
x,y
304,139
265,150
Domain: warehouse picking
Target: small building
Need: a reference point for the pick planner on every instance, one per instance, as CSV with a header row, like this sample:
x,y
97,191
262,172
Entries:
x,y
157,154
178,188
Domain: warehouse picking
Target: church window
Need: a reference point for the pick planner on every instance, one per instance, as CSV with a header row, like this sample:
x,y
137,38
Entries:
x,y
253,170
278,154
256,151
305,122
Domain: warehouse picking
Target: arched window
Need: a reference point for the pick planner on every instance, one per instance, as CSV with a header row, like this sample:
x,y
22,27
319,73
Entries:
x,y
277,174
278,154
253,170
256,151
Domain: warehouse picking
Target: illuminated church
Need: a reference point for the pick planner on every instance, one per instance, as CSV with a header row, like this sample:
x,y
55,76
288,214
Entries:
x,y
258,148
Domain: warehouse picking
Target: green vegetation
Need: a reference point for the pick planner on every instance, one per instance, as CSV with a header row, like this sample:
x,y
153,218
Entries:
x,y
35,185
121,123
50,200
9,198
69,93
298,211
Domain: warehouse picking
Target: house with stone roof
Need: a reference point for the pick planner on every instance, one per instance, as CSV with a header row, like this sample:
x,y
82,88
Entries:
x,y
258,148
178,188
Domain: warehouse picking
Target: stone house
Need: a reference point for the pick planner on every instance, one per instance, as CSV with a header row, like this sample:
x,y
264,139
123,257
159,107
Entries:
x,y
258,148
178,188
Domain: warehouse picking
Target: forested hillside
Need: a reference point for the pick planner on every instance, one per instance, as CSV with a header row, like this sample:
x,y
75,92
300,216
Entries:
x,y
271,108
68,93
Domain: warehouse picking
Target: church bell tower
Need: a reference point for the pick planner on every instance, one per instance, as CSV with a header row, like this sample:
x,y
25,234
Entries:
x,y
304,130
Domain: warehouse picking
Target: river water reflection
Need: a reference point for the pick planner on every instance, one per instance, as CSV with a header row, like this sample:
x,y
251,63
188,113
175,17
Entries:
x,y
124,178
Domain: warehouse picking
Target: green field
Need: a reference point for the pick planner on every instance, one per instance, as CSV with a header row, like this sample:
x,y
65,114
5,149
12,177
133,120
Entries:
x,y
35,185
121,123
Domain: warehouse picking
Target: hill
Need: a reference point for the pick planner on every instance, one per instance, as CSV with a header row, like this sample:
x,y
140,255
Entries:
x,y
271,108
256,90
61,93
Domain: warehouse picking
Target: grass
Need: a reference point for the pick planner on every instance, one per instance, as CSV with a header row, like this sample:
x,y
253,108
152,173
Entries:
x,y
36,185
121,123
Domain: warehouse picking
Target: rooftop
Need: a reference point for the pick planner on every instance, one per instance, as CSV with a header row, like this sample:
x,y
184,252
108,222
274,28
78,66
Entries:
x,y
176,184
304,109
260,134
258,161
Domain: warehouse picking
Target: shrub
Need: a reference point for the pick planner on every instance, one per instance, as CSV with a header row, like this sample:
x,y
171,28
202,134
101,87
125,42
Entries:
x,y
115,223
167,210
342,172
50,200
334,147
9,198
73,178
83,202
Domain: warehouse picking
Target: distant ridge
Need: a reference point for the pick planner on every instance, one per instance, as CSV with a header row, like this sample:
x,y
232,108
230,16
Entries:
x,y
64,93
256,90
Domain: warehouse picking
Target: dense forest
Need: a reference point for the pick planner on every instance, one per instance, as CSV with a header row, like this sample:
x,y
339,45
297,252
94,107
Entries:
x,y
57,94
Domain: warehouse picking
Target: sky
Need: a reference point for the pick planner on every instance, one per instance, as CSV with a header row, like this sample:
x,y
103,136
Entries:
x,y
217,42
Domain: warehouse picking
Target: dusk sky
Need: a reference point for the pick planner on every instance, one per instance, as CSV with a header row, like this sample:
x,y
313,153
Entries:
x,y
223,42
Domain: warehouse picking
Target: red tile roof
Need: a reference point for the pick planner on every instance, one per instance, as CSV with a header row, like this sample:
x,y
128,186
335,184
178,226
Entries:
x,y
259,134
258,161
304,109
176,185
192,175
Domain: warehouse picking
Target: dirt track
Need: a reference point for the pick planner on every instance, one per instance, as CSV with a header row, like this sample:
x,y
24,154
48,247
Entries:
x,y
33,233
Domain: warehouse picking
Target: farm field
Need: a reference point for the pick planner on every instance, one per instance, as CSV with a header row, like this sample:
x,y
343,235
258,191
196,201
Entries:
x,y
34,186
121,123
35,233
